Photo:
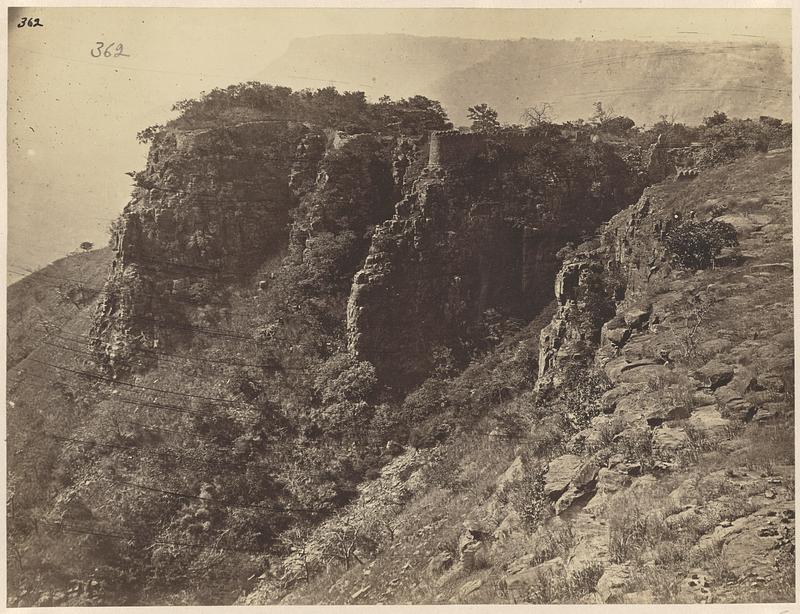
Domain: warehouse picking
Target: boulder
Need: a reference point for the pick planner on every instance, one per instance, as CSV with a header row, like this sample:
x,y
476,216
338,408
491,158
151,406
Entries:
x,y
700,398
472,541
612,583
744,380
559,474
709,419
469,587
714,374
610,481
585,476
663,412
670,439
762,397
581,483
768,411
611,397
615,336
636,317
631,409
732,404
519,582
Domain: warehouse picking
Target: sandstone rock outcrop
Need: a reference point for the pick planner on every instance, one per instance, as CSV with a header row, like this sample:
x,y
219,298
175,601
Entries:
x,y
470,237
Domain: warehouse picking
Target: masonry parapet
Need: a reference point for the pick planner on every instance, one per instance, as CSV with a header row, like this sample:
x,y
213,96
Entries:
x,y
453,147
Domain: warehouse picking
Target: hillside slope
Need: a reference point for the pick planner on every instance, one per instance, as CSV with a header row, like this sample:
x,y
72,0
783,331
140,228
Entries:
x,y
51,296
664,469
327,338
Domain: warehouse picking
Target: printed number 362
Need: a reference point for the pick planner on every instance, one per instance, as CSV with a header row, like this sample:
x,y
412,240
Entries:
x,y
104,50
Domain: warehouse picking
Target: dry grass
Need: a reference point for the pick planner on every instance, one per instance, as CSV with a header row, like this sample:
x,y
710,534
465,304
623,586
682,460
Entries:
x,y
769,445
565,587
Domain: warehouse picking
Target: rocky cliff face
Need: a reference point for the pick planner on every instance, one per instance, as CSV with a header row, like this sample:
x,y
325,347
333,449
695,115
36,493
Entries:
x,y
613,270
309,278
213,204
637,279
432,271
473,234
475,237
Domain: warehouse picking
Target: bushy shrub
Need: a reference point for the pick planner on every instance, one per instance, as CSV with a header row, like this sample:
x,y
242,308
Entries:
x,y
617,125
578,398
149,134
342,378
427,401
526,496
695,245
716,119
729,139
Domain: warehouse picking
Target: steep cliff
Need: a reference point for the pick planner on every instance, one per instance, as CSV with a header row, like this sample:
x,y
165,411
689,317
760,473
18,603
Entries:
x,y
318,345
221,186
477,237
211,204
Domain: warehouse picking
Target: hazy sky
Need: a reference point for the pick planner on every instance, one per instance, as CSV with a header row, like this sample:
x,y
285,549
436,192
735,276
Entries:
x,y
72,118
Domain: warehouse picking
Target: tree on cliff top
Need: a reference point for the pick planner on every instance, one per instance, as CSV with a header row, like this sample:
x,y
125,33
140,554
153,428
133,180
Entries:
x,y
484,118
326,107
601,115
538,115
605,120
715,119
414,115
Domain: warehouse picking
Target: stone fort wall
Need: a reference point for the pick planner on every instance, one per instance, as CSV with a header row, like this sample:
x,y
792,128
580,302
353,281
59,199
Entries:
x,y
452,147
455,148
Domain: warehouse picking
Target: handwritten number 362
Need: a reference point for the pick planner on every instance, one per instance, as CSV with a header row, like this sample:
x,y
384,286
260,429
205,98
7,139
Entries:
x,y
31,22
105,50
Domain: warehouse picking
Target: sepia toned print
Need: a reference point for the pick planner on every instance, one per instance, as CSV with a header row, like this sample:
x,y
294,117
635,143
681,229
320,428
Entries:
x,y
399,306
